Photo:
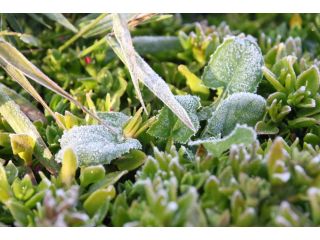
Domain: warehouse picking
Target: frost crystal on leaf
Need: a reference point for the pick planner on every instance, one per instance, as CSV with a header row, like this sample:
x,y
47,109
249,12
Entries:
x,y
168,124
242,108
235,65
242,134
95,144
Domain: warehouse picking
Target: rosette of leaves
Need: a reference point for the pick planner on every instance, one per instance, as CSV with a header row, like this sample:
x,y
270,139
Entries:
x,y
236,67
294,105
57,201
201,42
251,187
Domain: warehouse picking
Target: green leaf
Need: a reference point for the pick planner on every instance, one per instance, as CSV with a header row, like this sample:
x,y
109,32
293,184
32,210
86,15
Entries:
x,y
168,125
22,125
23,189
23,145
5,192
95,144
69,167
97,199
235,66
266,128
91,175
193,82
20,213
309,78
109,179
155,84
26,106
130,161
242,134
242,108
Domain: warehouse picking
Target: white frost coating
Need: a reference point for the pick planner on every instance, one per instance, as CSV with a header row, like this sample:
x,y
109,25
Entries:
x,y
172,206
239,108
95,145
122,34
235,65
283,177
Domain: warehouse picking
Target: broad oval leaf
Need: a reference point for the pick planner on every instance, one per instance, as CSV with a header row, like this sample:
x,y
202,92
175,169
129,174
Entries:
x,y
242,134
235,66
95,144
242,108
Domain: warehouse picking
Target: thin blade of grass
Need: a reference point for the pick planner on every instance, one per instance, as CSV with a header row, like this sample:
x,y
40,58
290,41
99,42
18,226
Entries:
x,y
155,83
11,56
123,36
59,18
22,80
19,122
27,107
82,32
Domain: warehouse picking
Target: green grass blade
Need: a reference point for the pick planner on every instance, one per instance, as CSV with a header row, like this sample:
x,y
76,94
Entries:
x,y
59,18
27,107
22,125
22,80
9,55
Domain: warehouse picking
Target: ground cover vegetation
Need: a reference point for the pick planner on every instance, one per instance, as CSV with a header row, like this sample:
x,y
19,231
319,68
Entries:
x,y
159,120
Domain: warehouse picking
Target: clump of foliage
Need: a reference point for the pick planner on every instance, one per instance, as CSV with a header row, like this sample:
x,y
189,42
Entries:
x,y
148,120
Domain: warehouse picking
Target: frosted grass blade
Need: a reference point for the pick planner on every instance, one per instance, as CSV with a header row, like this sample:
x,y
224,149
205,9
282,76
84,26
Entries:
x,y
9,55
22,80
123,37
155,84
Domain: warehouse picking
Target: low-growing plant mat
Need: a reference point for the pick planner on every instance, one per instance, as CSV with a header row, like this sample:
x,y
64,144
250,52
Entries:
x,y
159,120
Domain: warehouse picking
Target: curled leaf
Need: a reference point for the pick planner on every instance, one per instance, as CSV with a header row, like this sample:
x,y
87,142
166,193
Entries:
x,y
242,134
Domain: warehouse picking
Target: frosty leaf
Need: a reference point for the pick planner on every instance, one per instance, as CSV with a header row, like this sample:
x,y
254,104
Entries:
x,y
123,37
95,144
235,65
114,119
155,84
168,125
242,134
242,108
